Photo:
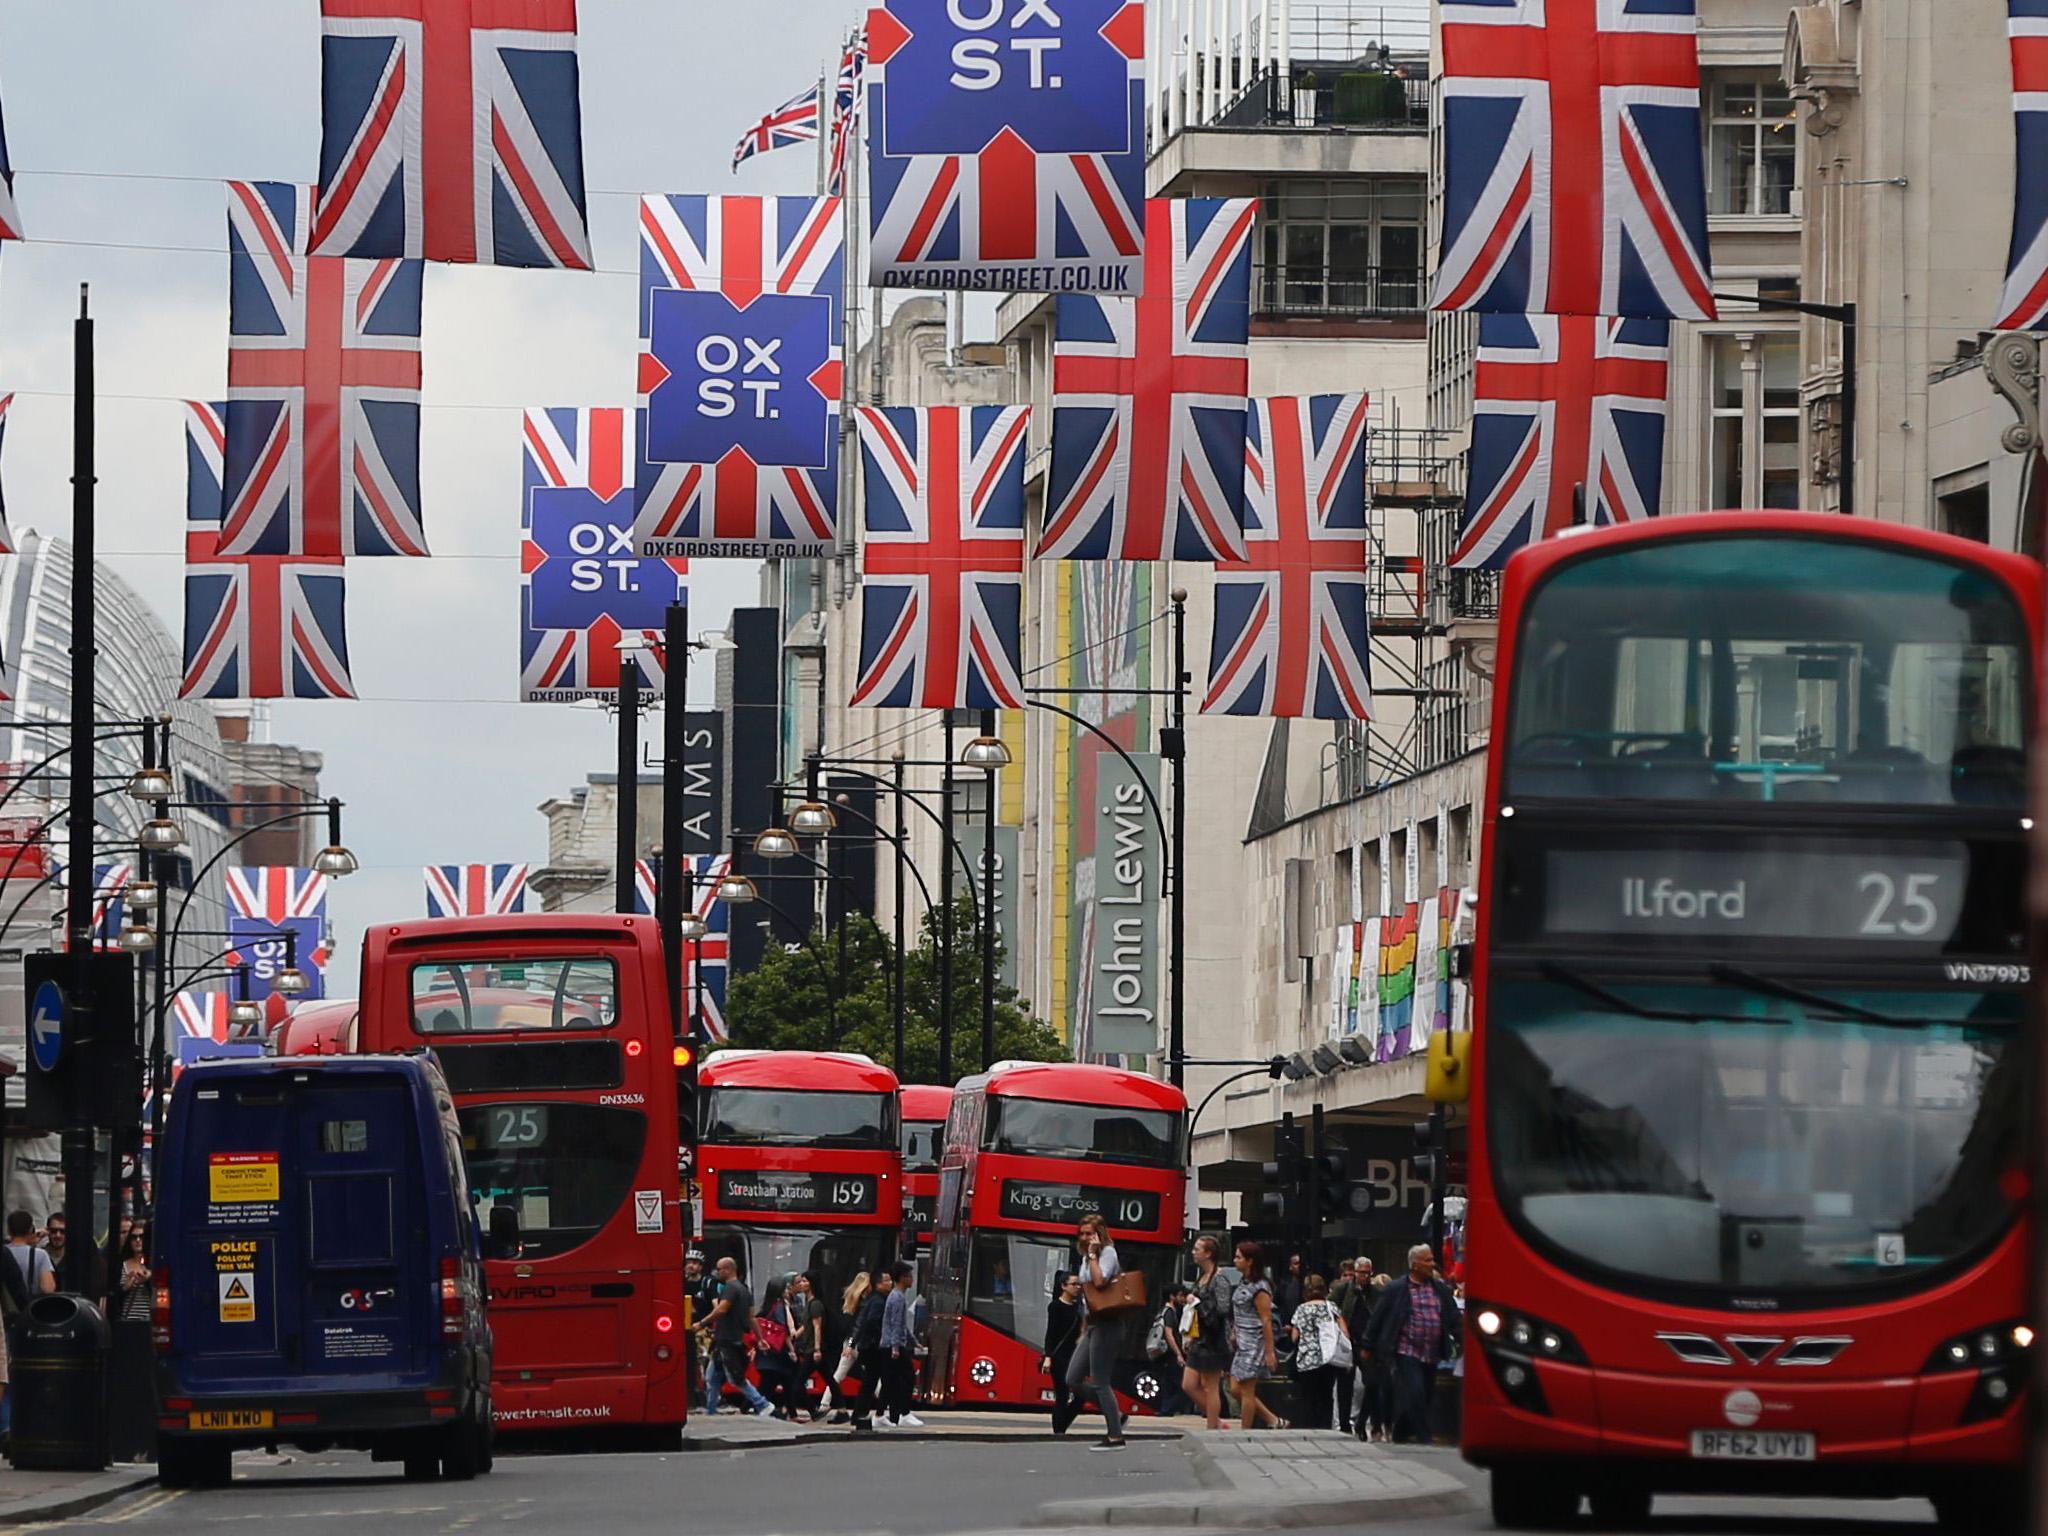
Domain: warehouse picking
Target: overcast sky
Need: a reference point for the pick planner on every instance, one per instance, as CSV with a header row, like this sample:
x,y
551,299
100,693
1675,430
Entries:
x,y
148,107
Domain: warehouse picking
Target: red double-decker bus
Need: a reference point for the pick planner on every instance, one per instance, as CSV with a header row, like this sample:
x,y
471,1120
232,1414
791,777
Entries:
x,y
1748,1076
924,1110
553,1033
799,1164
1031,1147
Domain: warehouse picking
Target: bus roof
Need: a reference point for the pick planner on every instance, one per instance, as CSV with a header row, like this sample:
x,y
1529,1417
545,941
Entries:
x,y
1074,1082
325,1028
514,928
822,1071
1537,559
926,1101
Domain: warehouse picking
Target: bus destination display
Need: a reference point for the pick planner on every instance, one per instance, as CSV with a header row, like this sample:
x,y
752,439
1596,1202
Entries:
x,y
1908,894
792,1193
1033,1200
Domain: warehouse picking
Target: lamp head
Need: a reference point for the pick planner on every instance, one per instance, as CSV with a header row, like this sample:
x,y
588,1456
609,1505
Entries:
x,y
160,834
138,938
776,843
335,861
986,752
291,982
141,896
245,1015
1326,1060
736,890
151,784
691,927
812,819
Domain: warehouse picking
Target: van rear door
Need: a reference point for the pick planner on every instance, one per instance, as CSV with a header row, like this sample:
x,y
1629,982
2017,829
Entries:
x,y
371,1279
235,1304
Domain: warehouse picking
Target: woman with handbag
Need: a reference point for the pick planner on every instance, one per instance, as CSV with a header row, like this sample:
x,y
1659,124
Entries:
x,y
1205,1332
1109,1294
1322,1352
1064,1315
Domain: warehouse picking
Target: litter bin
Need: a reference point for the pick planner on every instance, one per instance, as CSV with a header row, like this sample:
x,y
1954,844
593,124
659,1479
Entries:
x,y
57,1375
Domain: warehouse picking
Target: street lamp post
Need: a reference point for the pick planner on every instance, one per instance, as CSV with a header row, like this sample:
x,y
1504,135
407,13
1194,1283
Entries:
x,y
898,1002
78,1155
628,818
946,917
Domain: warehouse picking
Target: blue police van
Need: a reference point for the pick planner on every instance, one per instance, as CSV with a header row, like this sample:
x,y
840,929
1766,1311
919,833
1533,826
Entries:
x,y
318,1271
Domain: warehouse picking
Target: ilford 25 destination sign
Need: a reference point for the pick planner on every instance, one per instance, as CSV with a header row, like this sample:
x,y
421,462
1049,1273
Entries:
x,y
1031,1200
798,1194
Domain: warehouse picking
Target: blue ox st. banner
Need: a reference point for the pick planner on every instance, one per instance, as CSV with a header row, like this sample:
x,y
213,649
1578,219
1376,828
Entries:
x,y
1130,865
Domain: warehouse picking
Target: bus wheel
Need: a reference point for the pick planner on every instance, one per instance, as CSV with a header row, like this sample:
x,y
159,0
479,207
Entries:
x,y
1619,1508
421,1468
1528,1499
1993,1509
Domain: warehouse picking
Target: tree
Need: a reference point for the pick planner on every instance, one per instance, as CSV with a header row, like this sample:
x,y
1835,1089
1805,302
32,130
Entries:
x,y
788,1003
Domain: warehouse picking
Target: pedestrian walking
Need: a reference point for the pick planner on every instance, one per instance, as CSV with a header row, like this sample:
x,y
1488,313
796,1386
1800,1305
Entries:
x,y
1376,1410
1287,1288
866,1348
1348,1297
31,1261
1064,1315
1322,1352
1251,1323
1205,1332
899,1346
774,1362
131,1406
1167,1351
839,1328
807,1341
1414,1326
1101,1343
730,1321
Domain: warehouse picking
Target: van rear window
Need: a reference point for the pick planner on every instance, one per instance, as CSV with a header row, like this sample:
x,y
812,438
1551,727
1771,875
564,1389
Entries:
x,y
496,996
344,1135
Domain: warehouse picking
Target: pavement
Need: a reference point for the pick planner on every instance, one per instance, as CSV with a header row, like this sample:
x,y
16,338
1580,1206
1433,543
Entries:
x,y
30,1497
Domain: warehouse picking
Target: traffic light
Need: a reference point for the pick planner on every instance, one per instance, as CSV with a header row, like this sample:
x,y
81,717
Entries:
x,y
1429,1158
1283,1202
686,1095
1333,1186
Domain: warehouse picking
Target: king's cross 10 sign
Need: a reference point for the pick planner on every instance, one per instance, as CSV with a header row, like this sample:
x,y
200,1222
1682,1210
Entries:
x,y
1006,144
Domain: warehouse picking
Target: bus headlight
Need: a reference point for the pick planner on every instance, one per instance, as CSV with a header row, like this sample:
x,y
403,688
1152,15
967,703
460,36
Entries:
x,y
1512,1343
1998,1355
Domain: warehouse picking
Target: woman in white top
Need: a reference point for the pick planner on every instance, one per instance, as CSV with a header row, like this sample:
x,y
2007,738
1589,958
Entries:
x,y
1101,1336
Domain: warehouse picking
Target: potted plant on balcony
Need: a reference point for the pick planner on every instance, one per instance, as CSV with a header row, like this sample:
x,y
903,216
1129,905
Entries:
x,y
1371,96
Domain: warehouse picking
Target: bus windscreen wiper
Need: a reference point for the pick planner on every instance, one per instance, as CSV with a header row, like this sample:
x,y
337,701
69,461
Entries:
x,y
1771,987
1567,977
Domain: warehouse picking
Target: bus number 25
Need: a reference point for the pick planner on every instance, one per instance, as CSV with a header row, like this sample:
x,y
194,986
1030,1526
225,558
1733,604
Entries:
x,y
516,1127
1899,906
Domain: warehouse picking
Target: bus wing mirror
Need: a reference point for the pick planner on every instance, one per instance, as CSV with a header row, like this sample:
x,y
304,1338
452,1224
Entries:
x,y
1449,1077
504,1232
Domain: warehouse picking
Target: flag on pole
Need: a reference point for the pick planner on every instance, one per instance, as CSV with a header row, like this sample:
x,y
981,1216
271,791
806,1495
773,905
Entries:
x,y
256,626
451,130
582,588
646,887
201,1015
942,594
846,99
1567,426
264,903
706,961
741,345
1148,396
10,215
475,890
1574,179
2024,306
794,122
1291,636
323,418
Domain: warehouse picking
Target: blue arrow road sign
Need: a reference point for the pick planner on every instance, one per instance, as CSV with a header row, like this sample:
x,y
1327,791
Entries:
x,y
46,1025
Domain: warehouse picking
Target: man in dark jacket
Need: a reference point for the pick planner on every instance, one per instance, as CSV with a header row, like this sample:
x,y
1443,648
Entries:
x,y
870,1359
1415,1325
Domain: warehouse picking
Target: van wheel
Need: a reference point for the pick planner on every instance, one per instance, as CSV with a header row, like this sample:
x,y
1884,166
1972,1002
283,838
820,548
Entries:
x,y
463,1458
1529,1499
1620,1508
174,1468
422,1468
487,1435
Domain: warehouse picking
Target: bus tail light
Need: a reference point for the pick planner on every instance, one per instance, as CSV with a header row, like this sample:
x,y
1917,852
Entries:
x,y
160,1311
664,1322
451,1298
1512,1343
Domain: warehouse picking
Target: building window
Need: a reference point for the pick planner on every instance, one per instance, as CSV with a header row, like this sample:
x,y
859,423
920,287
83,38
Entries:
x,y
1965,512
1753,146
1754,404
1341,247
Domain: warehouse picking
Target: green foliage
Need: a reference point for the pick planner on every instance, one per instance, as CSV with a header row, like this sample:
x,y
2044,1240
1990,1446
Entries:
x,y
1370,97
788,1003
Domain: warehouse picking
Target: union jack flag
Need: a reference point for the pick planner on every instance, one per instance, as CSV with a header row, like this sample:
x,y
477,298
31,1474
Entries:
x,y
451,130
1574,182
475,890
10,215
1567,426
794,122
853,64
1291,637
275,893
256,626
109,899
706,962
739,313
942,598
323,447
202,1015
6,533
1148,396
997,163
2024,306
646,887
582,589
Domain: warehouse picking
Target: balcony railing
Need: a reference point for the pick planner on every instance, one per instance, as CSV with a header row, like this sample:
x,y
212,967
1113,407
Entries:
x,y
1464,594
1312,292
1362,98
